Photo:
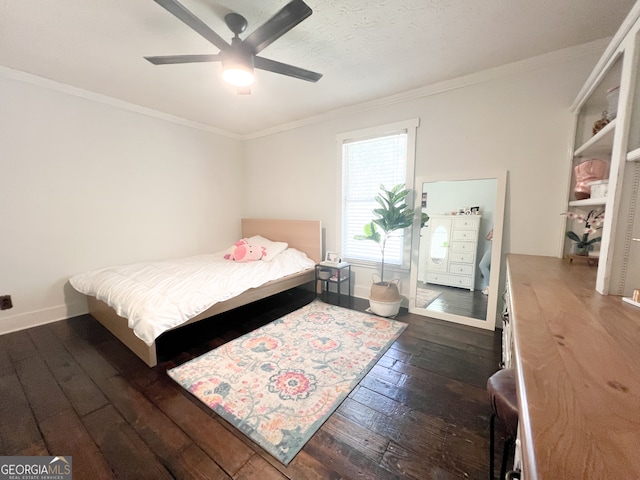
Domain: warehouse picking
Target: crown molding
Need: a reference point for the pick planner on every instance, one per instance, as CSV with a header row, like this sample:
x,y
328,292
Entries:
x,y
592,48
533,63
46,83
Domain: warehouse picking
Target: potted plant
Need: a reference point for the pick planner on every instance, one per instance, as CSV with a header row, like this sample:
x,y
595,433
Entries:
x,y
393,216
592,223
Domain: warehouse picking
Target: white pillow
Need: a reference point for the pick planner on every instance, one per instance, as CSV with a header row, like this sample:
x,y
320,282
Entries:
x,y
272,249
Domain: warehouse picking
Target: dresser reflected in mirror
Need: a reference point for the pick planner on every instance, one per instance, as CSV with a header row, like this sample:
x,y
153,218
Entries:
x,y
456,258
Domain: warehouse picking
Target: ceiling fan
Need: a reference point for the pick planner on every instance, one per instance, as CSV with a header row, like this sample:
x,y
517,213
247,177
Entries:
x,y
240,57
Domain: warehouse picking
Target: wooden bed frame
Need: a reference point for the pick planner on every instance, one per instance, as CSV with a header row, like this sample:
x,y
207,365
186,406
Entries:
x,y
303,235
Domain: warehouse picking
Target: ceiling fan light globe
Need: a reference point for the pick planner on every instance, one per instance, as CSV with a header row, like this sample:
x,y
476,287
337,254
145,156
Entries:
x,y
238,77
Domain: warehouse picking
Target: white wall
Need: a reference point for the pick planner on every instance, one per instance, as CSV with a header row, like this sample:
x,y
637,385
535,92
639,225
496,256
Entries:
x,y
84,185
514,118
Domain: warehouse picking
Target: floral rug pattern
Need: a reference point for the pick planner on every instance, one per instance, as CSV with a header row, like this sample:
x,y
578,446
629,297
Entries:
x,y
279,383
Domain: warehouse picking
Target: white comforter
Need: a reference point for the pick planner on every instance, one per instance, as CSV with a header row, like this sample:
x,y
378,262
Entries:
x,y
158,296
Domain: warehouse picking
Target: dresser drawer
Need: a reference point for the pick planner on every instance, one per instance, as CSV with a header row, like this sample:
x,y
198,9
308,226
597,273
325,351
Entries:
x,y
461,268
464,235
461,257
449,279
466,222
459,281
439,278
464,247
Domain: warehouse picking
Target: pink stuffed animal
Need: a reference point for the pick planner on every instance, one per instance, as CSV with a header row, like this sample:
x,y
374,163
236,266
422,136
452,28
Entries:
x,y
243,252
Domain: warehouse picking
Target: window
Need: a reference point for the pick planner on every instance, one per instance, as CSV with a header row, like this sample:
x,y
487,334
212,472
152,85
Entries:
x,y
370,158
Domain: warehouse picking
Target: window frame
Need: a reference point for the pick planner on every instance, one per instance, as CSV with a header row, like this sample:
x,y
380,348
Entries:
x,y
410,127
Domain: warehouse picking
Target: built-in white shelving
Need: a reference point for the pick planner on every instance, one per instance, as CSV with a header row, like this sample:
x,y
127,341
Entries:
x,y
619,144
589,202
633,155
600,144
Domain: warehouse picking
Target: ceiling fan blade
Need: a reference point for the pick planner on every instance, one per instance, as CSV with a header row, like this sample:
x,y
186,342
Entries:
x,y
285,69
180,12
172,59
283,21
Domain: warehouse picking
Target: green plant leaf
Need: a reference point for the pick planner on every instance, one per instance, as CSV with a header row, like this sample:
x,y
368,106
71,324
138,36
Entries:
x,y
370,233
392,216
573,236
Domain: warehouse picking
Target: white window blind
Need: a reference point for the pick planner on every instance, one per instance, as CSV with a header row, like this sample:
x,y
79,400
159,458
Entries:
x,y
367,164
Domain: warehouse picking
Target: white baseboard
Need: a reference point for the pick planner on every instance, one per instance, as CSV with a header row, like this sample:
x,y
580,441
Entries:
x,y
361,292
36,318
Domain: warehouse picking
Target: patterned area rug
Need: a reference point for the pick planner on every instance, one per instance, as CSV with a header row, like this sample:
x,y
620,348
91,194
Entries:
x,y
424,296
279,383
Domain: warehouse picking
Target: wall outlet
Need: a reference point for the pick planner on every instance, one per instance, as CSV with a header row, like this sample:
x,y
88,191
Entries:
x,y
5,302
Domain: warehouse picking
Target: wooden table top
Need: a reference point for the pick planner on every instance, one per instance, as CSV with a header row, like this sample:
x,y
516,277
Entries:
x,y
577,358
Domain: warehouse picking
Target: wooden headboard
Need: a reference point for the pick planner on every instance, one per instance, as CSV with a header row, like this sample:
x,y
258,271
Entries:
x,y
303,235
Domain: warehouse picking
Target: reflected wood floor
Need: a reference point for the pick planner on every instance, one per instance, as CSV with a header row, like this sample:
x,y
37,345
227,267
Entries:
x,y
459,301
71,388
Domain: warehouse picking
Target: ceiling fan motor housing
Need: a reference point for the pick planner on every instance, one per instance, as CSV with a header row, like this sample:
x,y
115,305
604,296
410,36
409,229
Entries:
x,y
237,55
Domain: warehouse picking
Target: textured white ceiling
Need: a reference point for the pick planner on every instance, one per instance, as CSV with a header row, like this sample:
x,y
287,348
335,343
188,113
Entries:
x,y
364,49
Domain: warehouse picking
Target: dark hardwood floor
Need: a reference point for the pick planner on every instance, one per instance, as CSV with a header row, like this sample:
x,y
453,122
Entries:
x,y
71,388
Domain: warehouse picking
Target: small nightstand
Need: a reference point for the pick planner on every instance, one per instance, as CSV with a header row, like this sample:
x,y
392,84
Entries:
x,y
337,273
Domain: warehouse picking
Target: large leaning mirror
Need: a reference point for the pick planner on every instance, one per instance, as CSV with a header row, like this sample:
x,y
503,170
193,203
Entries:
x,y
455,265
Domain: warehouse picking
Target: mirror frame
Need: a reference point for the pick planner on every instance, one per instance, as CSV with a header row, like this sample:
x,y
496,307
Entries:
x,y
496,249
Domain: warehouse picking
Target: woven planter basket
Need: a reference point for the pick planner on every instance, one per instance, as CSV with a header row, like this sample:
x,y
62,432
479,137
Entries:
x,y
385,299
385,292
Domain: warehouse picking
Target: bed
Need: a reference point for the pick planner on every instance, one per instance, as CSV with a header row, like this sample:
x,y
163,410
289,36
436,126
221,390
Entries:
x,y
302,235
